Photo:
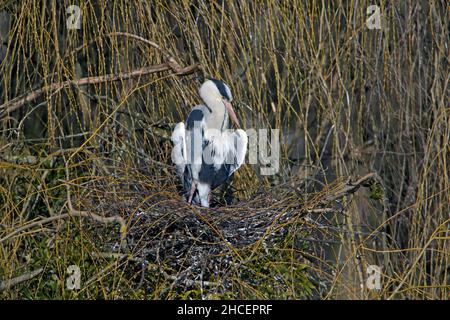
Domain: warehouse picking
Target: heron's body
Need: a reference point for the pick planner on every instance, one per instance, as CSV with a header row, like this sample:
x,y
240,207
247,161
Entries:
x,y
206,151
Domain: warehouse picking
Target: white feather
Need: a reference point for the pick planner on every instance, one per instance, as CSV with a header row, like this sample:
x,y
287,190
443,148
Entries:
x,y
179,147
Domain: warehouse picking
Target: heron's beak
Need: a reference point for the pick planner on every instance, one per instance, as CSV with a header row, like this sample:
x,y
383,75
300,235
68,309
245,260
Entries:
x,y
231,112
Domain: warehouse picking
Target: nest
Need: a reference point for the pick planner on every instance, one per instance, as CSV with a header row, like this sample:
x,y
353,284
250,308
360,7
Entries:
x,y
190,245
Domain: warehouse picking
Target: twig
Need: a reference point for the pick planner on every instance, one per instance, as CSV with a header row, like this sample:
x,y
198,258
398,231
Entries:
x,y
350,187
189,282
167,55
167,276
129,35
321,210
7,284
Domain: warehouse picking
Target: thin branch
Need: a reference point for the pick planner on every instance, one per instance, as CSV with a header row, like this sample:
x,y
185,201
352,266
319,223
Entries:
x,y
351,187
72,213
150,43
128,35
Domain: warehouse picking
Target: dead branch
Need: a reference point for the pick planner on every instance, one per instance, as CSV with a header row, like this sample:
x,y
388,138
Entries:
x,y
154,267
72,213
7,284
96,217
171,64
351,187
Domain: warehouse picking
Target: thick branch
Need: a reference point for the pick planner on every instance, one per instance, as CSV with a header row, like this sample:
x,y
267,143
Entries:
x,y
7,284
171,64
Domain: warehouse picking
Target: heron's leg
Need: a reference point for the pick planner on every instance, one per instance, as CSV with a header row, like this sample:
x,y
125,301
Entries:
x,y
192,191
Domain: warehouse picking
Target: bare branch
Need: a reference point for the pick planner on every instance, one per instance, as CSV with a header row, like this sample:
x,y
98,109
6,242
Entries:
x,y
7,284
171,64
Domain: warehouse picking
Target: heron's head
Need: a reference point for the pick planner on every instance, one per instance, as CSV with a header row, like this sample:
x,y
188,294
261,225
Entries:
x,y
214,91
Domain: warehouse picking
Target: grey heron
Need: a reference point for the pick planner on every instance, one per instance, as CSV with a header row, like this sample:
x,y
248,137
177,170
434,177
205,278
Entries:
x,y
205,149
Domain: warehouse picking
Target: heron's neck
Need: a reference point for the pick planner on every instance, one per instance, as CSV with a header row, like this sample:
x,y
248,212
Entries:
x,y
218,117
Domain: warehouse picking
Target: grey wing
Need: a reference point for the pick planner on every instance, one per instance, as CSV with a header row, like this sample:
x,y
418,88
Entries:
x,y
182,139
184,154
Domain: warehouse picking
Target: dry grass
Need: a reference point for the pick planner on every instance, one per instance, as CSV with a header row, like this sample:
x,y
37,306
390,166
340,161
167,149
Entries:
x,y
348,101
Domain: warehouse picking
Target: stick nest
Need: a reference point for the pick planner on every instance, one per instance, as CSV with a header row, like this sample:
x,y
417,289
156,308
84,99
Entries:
x,y
193,246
